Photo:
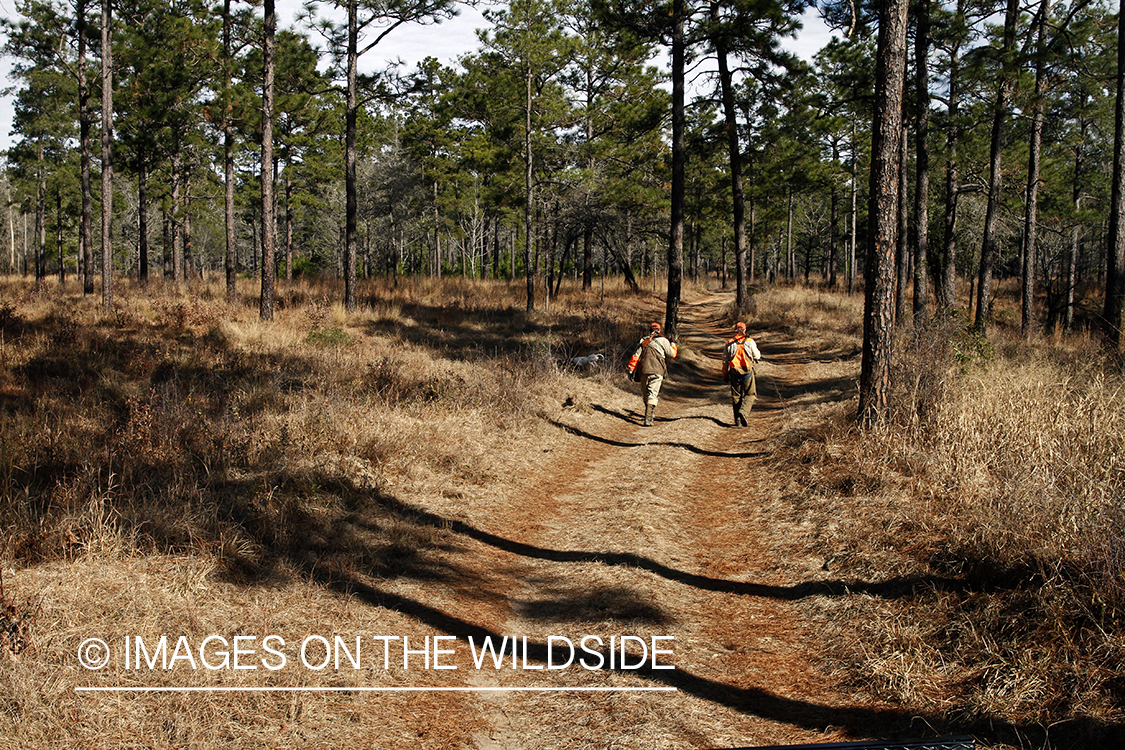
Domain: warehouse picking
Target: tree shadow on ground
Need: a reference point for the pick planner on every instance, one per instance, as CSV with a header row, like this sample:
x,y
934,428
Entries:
x,y
562,603
776,391
376,512
470,334
790,352
637,417
862,721
670,444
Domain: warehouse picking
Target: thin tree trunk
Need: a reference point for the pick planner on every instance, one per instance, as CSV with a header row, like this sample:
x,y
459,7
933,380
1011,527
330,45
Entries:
x,y
1115,261
734,154
1072,258
86,238
350,183
990,242
289,224
496,259
438,259
40,219
901,249
1031,206
142,214
790,270
588,231
59,235
676,240
177,217
269,223
855,212
921,307
231,255
107,154
751,249
529,188
12,236
947,292
185,225
833,247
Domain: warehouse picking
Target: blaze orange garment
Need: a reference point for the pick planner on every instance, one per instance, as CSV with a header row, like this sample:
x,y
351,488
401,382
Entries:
x,y
741,354
651,355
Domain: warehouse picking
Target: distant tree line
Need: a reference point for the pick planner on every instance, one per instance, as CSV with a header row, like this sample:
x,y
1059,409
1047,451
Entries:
x,y
559,147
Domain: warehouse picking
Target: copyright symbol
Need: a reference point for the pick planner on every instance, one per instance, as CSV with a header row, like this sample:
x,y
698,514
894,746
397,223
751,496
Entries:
x,y
93,653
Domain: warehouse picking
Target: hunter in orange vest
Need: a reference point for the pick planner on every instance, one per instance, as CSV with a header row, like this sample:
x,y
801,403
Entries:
x,y
738,369
649,365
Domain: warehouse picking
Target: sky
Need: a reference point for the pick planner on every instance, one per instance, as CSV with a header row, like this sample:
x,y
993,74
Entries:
x,y
446,42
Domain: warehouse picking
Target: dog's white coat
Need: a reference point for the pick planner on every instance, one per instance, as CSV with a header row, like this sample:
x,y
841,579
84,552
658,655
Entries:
x,y
583,362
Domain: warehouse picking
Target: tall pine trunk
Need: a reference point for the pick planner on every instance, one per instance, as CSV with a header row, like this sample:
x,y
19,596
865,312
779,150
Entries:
x,y
86,238
878,313
990,243
902,263
676,239
1115,261
142,212
177,218
835,222
40,218
734,152
351,211
529,188
231,256
1031,205
107,154
922,166
588,231
269,224
855,212
947,291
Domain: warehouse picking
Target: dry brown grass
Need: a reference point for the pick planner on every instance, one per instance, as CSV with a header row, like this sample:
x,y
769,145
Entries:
x,y
179,466
130,423
990,509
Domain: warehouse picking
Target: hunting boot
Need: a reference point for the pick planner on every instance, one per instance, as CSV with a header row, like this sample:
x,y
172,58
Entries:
x,y
649,409
736,418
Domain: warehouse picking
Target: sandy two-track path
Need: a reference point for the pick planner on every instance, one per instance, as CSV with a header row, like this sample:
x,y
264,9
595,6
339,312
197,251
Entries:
x,y
622,529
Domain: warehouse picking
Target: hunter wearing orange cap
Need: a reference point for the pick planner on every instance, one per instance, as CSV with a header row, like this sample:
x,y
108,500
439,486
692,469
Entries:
x,y
738,370
649,366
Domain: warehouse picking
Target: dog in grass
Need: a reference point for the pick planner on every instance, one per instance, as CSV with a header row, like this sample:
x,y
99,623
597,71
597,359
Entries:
x,y
583,363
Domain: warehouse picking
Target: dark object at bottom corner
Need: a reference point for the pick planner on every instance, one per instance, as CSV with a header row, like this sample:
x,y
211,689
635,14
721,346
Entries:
x,y
943,743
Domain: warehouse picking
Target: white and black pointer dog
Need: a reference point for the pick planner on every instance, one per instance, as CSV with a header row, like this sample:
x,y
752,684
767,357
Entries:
x,y
583,362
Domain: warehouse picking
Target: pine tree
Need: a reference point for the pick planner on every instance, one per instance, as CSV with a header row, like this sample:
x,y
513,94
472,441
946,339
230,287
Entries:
x,y
878,313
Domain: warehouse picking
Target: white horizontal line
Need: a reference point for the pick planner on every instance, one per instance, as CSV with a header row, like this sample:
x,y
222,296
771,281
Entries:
x,y
361,689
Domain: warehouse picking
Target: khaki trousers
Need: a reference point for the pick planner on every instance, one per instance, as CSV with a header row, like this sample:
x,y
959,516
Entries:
x,y
650,389
743,392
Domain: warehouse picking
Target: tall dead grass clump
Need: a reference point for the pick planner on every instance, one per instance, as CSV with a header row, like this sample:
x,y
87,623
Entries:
x,y
1000,478
1025,448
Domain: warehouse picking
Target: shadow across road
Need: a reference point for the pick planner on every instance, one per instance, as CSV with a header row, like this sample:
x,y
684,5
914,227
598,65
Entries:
x,y
885,723
648,444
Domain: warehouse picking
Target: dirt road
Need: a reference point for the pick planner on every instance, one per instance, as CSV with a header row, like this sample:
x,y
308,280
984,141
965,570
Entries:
x,y
661,531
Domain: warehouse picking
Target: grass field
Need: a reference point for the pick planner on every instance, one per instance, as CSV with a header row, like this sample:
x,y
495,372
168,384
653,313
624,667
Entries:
x,y
179,467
